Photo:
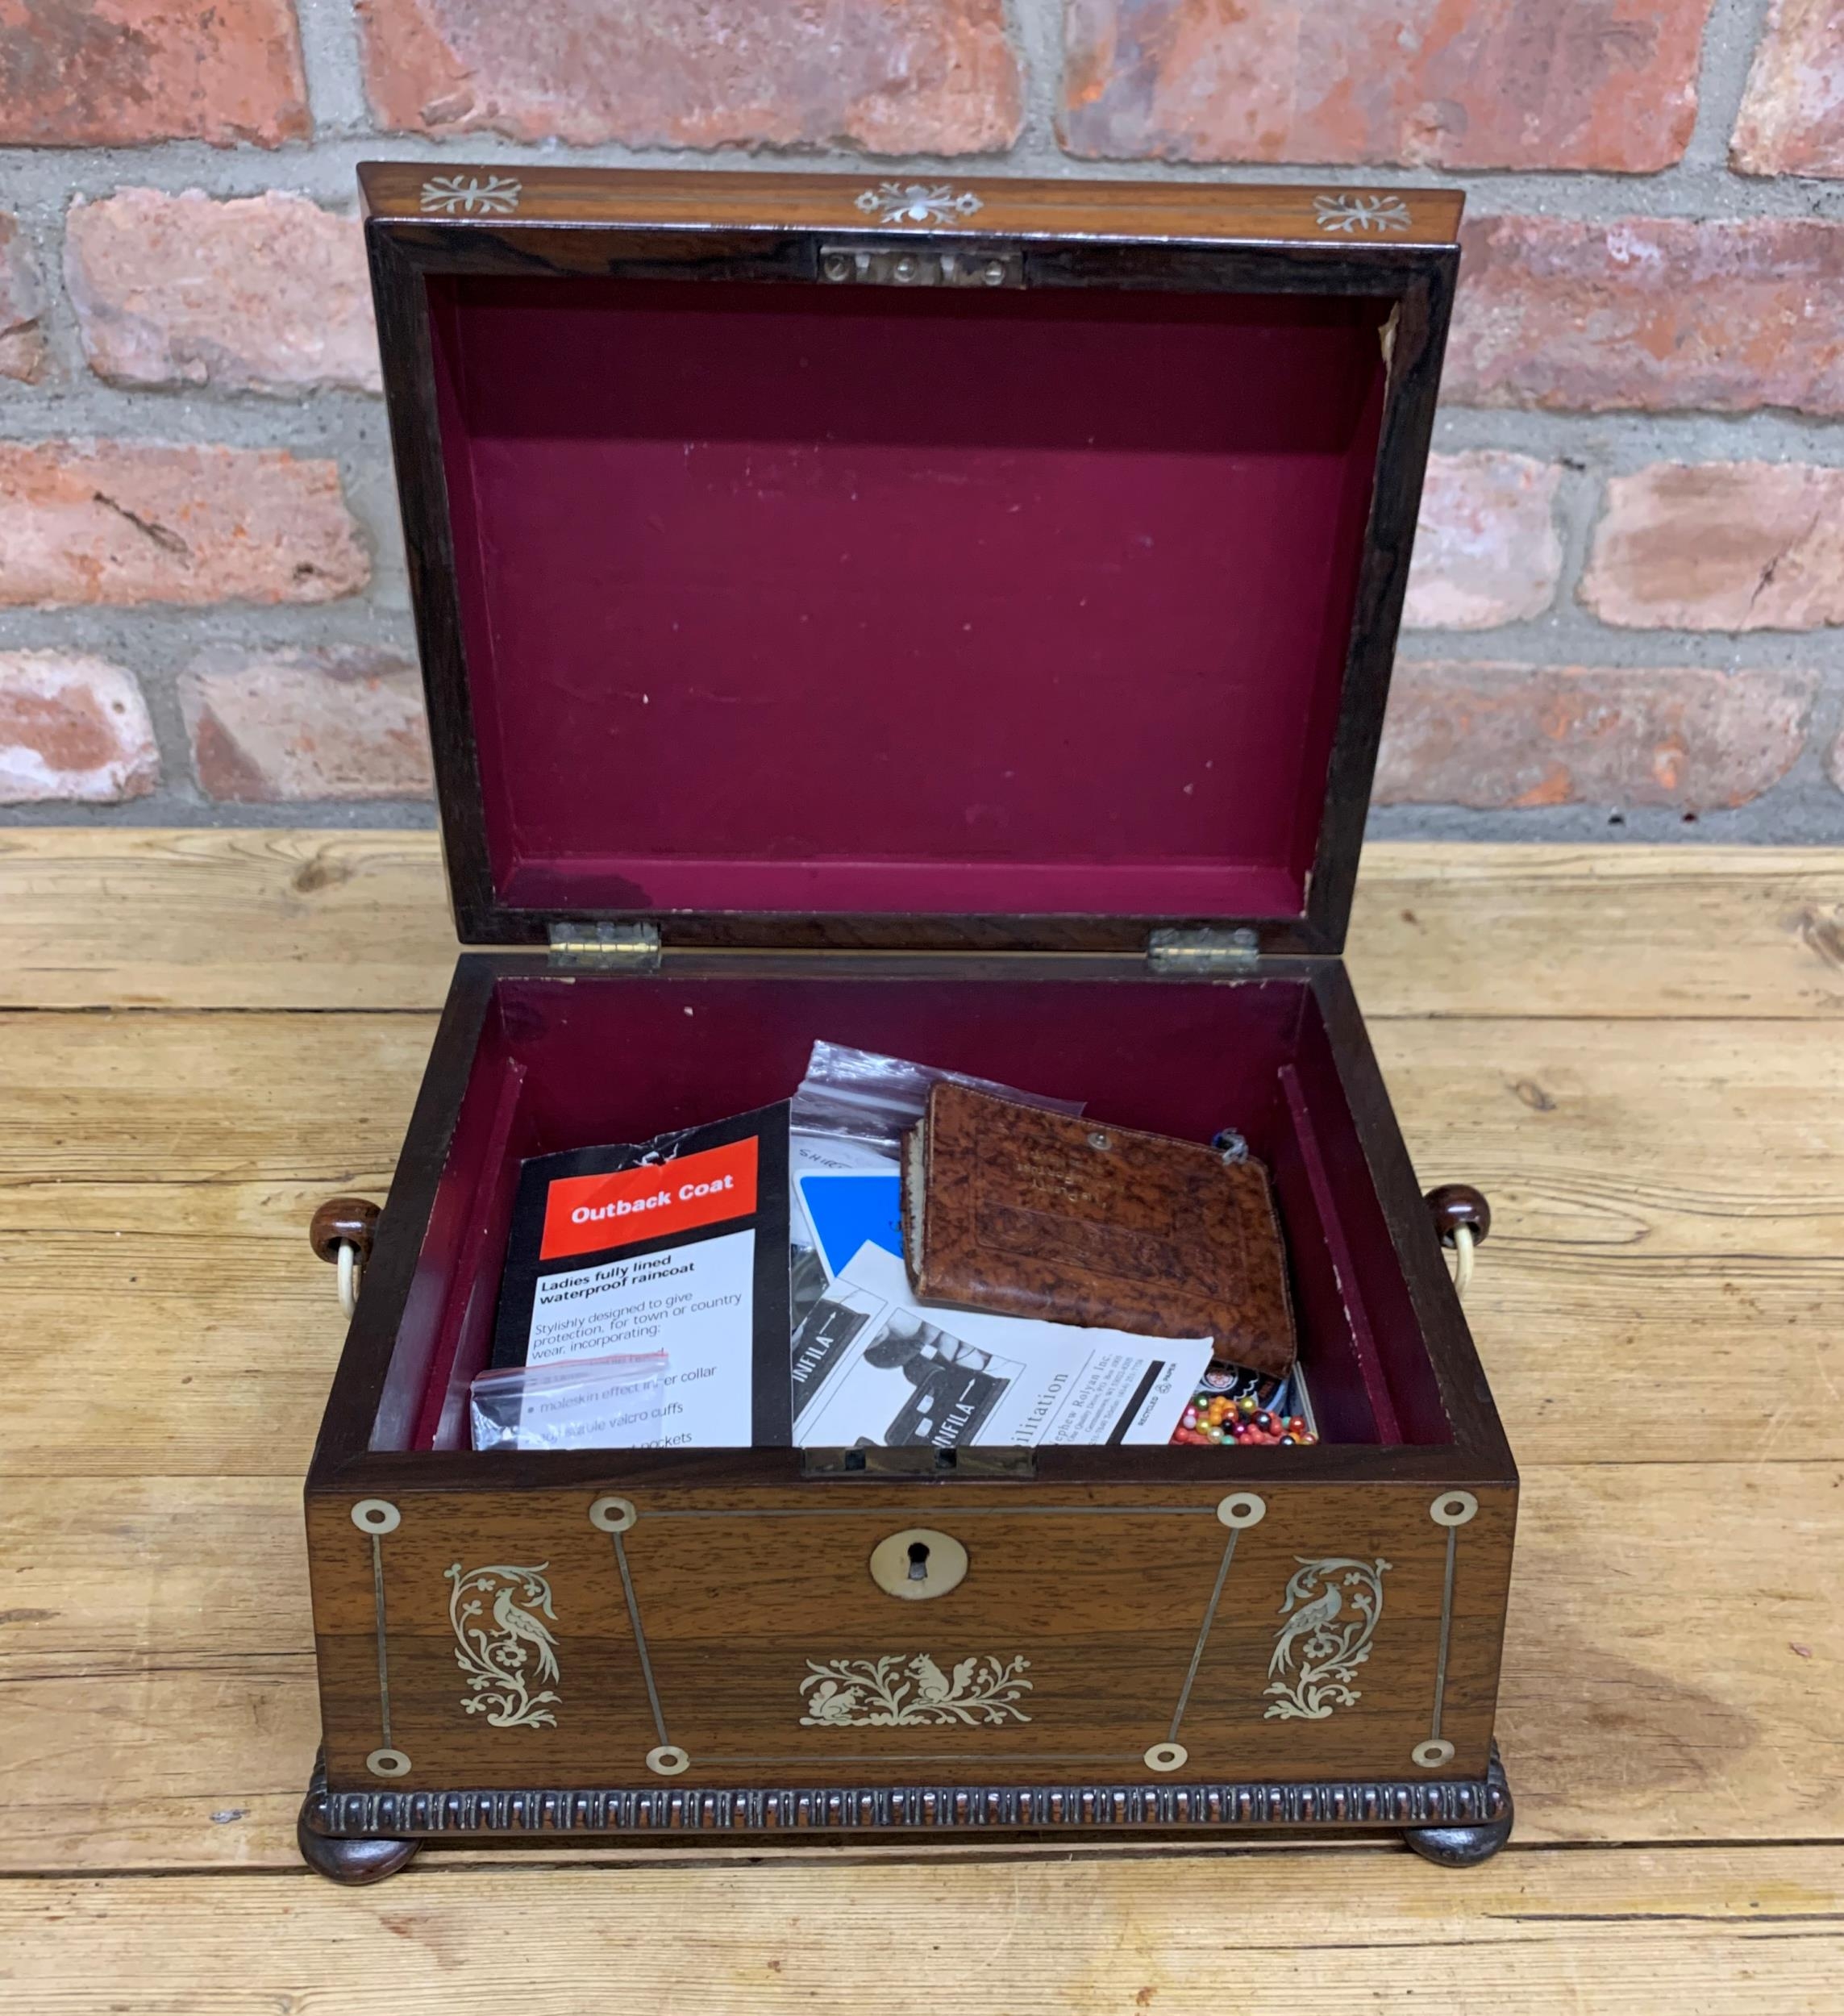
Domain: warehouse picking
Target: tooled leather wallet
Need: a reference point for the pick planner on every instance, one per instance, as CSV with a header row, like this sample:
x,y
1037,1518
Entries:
x,y
1025,1213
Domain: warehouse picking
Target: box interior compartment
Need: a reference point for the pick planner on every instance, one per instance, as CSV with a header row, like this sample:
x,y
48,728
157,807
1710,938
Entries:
x,y
786,598
568,1063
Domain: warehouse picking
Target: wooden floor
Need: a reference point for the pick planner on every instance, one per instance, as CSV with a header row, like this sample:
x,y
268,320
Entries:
x,y
1638,1054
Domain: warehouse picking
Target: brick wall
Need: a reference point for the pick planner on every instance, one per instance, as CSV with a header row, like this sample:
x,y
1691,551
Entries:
x,y
1629,580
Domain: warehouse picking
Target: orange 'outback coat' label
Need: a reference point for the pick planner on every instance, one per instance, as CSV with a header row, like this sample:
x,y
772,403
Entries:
x,y
593,1213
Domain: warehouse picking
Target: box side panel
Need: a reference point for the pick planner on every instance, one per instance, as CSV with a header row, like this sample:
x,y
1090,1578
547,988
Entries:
x,y
1441,1389
509,1641
383,1369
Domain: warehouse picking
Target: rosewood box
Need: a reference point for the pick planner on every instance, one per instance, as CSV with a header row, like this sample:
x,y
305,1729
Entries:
x,y
953,618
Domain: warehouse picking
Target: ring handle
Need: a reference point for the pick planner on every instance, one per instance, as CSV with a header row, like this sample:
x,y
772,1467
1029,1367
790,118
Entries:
x,y
1462,1219
341,1233
348,1220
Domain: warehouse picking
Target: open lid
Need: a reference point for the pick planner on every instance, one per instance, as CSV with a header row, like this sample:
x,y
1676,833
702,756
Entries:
x,y
799,560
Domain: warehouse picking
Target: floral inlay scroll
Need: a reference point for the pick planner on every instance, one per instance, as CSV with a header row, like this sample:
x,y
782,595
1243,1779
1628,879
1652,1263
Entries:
x,y
501,1619
898,1692
1330,1613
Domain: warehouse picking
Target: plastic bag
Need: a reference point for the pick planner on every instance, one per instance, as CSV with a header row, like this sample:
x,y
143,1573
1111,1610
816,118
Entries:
x,y
572,1403
857,1095
849,1117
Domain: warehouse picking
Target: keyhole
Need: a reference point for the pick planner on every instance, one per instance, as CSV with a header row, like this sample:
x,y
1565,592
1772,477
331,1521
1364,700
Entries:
x,y
917,1564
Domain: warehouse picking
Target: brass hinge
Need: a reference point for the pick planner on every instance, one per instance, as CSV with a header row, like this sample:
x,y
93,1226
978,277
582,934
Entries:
x,y
604,948
1209,950
920,266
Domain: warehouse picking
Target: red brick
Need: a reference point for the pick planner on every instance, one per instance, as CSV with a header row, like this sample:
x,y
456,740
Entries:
x,y
1792,120
117,72
265,293
1486,550
1661,314
1720,546
72,728
22,302
1604,84
926,76
128,521
1507,737
327,724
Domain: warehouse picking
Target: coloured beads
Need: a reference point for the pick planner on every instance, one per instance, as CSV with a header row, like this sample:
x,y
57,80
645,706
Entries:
x,y
1213,1418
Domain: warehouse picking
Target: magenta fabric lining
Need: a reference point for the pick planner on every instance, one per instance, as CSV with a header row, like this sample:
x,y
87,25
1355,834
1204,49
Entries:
x,y
564,1064
862,601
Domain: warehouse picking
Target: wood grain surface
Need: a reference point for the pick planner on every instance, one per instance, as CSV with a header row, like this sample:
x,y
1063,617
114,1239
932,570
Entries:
x,y
150,918
1098,1618
1629,1050
702,201
1745,1933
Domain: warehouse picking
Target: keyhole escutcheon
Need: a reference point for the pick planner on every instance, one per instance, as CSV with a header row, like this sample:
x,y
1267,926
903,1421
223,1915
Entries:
x,y
917,1563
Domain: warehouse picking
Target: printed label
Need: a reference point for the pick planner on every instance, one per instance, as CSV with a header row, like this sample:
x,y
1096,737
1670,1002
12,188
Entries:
x,y
695,1303
596,1214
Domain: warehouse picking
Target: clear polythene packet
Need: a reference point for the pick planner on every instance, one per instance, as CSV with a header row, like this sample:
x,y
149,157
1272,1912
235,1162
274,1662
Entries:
x,y
572,1403
858,1095
847,1125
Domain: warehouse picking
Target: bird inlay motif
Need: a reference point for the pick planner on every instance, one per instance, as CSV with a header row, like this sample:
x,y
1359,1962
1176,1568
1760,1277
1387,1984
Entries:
x,y
501,1659
1321,1644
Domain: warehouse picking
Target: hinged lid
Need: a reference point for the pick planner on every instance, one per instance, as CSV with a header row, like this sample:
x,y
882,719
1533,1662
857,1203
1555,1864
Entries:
x,y
811,561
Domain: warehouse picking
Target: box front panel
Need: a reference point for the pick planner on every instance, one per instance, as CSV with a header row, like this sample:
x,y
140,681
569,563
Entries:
x,y
559,1639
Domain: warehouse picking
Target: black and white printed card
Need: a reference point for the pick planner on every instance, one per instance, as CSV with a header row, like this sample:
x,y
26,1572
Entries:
x,y
873,1368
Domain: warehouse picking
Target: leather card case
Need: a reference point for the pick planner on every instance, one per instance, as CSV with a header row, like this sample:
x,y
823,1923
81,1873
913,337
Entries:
x,y
1025,1213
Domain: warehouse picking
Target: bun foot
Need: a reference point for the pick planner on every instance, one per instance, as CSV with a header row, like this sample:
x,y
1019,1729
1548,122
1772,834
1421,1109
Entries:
x,y
352,1860
1465,1848
345,1859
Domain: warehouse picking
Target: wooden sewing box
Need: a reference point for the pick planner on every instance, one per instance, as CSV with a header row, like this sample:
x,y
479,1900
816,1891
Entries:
x,y
952,617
